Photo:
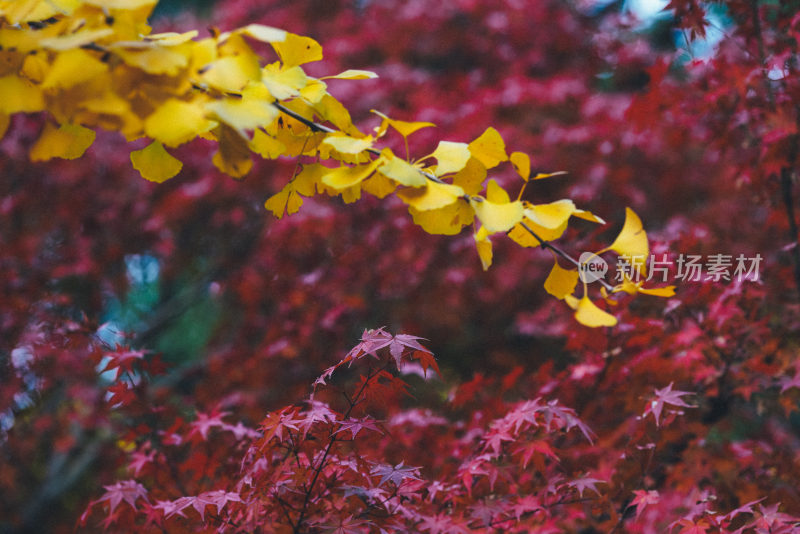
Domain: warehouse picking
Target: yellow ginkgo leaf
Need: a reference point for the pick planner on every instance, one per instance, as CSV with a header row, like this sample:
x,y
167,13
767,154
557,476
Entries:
x,y
484,246
170,38
266,146
175,122
489,148
75,40
243,114
450,157
314,90
19,95
522,164
351,194
588,216
35,67
286,200
630,287
401,171
448,220
121,4
233,156
378,185
631,243
542,175
666,291
471,177
71,68
587,313
551,215
154,163
348,145
16,11
69,141
66,7
161,60
283,83
265,34
310,178
332,110
204,52
561,282
521,233
348,176
403,127
496,212
109,103
352,74
433,196
297,49
231,74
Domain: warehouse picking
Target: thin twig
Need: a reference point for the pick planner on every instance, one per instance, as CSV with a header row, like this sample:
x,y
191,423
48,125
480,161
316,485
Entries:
x,y
548,245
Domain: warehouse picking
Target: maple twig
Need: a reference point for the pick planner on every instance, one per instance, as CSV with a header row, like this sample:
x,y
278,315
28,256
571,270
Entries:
x,y
331,440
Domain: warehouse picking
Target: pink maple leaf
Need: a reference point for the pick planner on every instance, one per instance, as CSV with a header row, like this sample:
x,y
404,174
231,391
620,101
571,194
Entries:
x,y
526,504
371,342
665,396
440,523
174,507
356,425
402,342
495,439
126,490
218,498
394,474
584,483
533,447
642,499
206,422
690,527
139,460
744,509
319,412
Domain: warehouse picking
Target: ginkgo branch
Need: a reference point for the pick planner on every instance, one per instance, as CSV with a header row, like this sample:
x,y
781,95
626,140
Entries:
x,y
317,127
548,245
314,126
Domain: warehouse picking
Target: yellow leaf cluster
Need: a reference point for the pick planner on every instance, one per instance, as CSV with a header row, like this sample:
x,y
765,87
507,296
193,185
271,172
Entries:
x,y
90,64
